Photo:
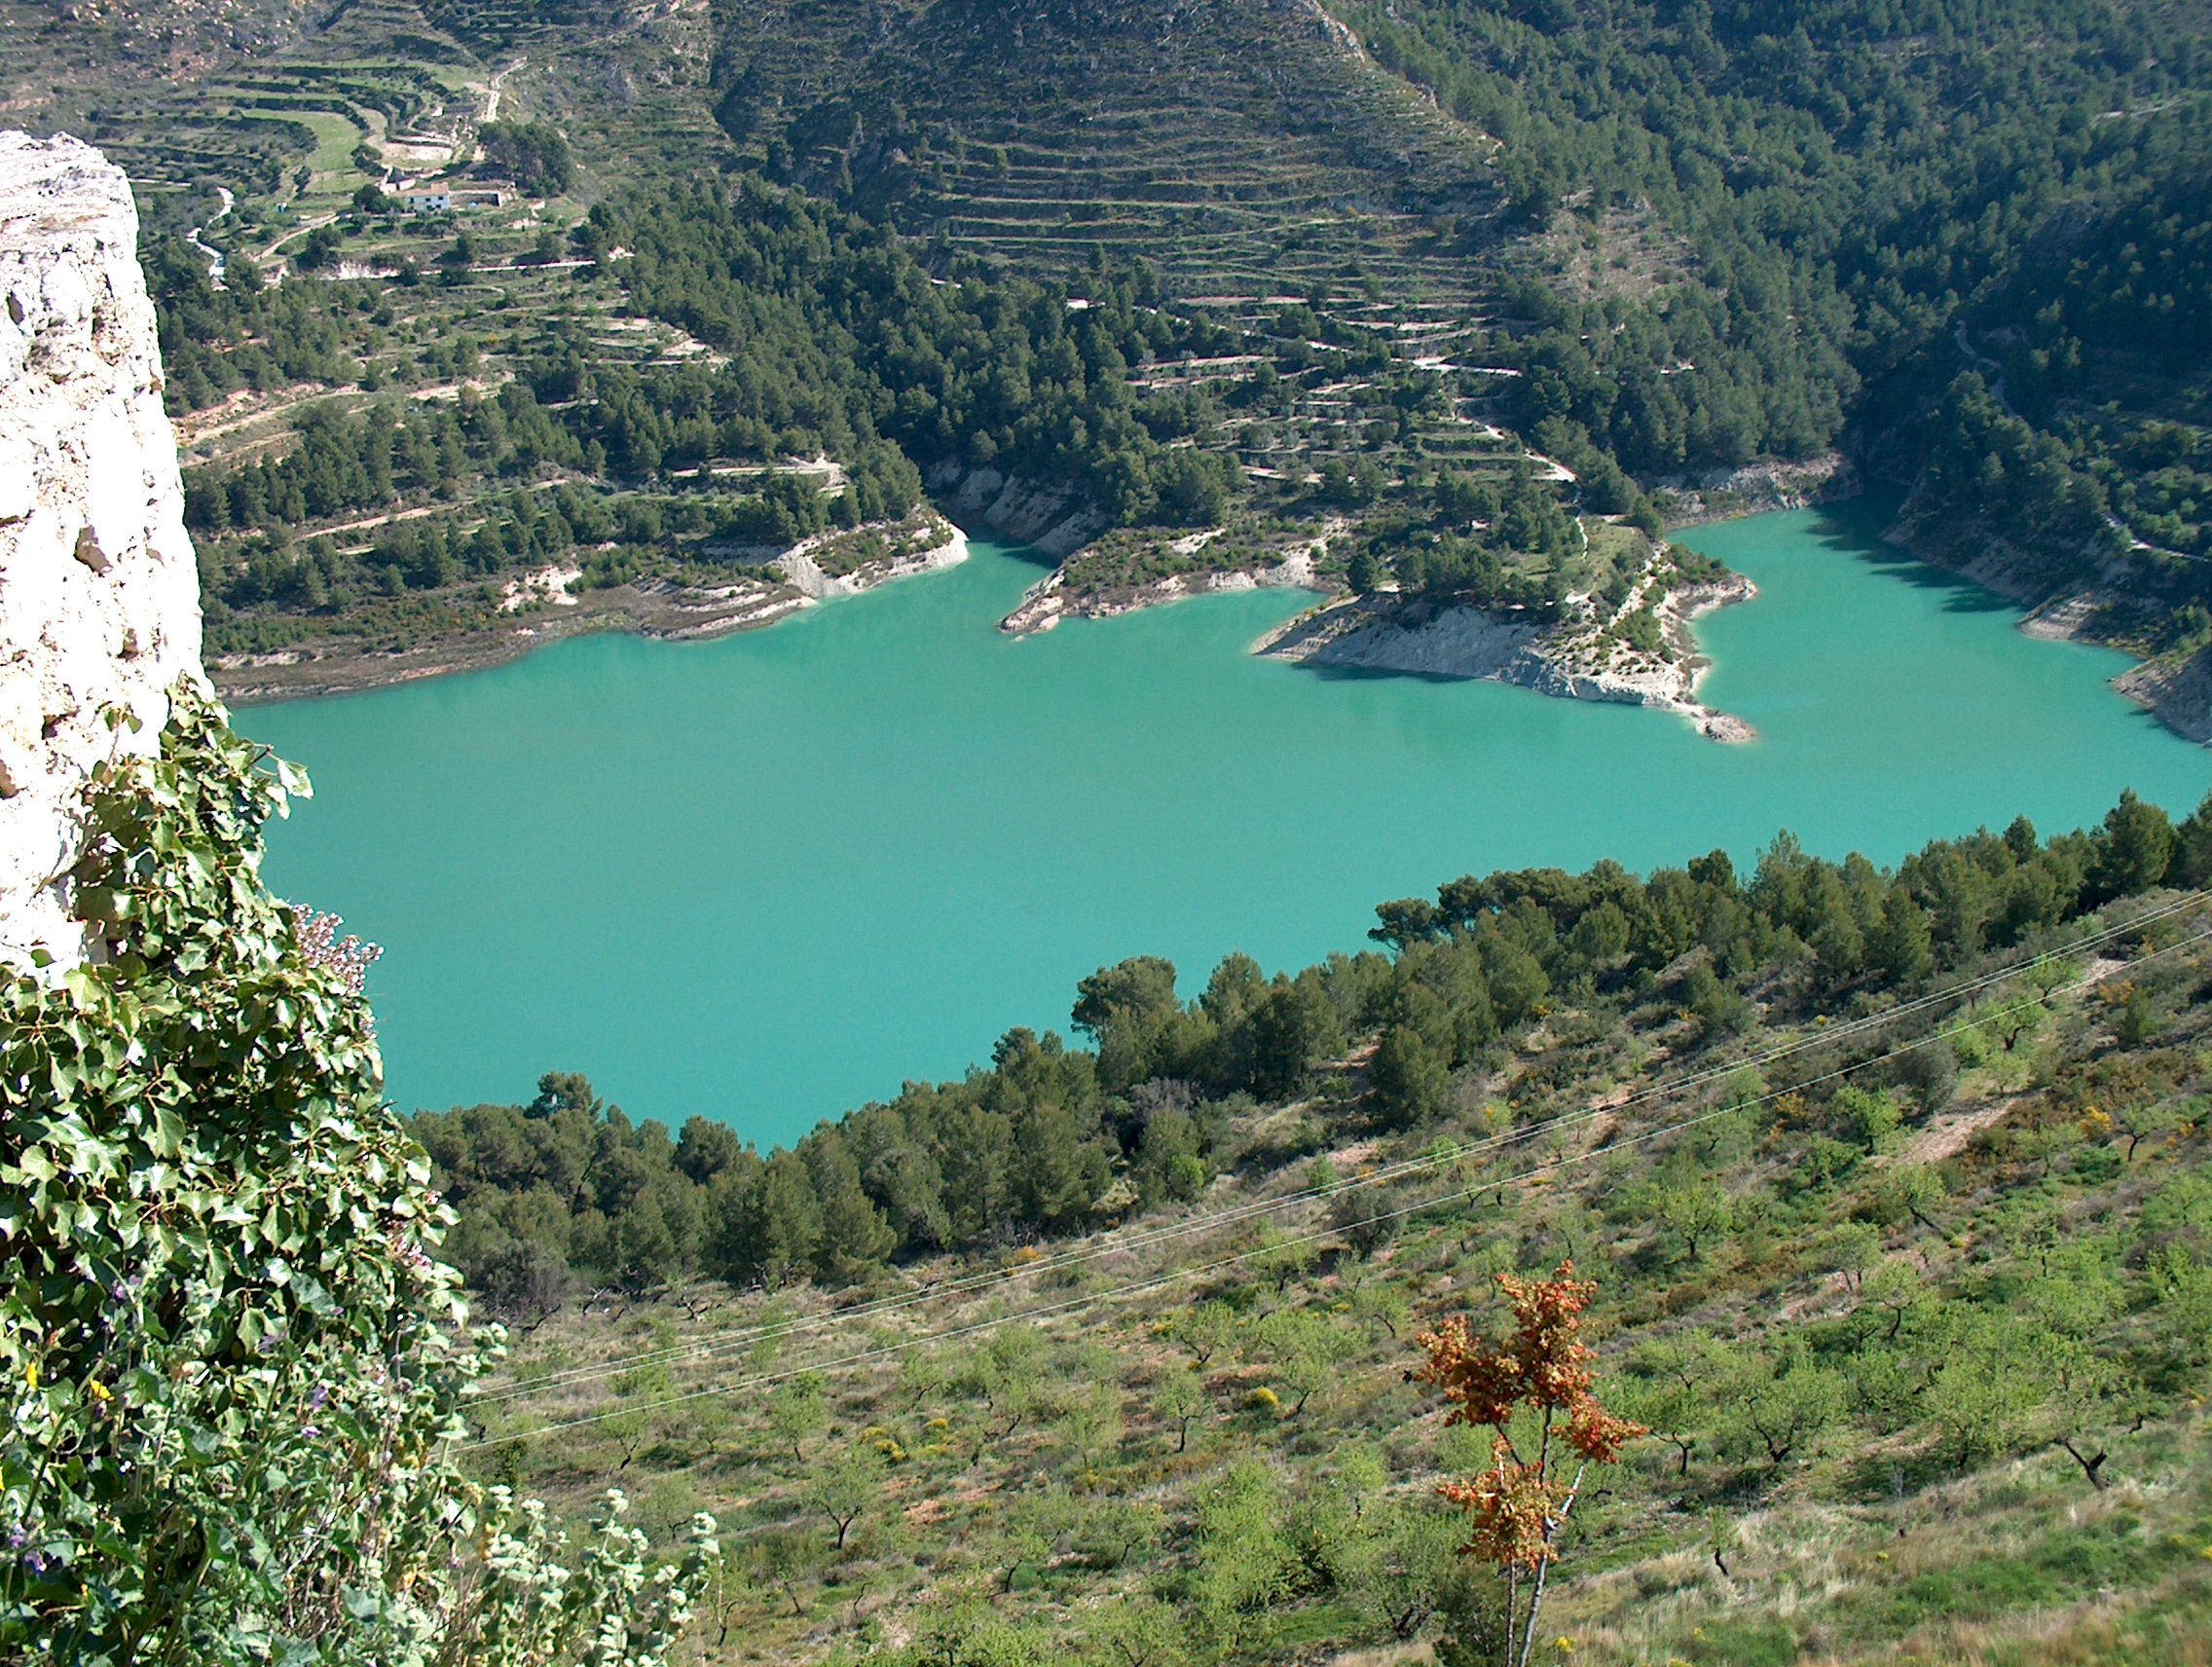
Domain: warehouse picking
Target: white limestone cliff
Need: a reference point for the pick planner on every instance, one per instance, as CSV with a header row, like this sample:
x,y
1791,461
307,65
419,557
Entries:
x,y
100,592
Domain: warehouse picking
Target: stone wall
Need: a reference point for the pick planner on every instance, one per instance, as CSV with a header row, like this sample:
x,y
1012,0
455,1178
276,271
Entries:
x,y
100,592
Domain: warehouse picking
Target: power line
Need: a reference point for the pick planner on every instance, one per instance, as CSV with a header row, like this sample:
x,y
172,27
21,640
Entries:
x,y
698,1352
889,1350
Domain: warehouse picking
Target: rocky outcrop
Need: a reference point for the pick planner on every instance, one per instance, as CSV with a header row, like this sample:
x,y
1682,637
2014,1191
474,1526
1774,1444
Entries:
x,y
1047,601
1053,597
99,595
808,577
1757,488
1056,520
1371,634
2177,690
2059,587
1577,659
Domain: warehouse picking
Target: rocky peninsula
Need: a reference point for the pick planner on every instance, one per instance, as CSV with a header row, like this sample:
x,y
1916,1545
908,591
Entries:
x,y
1592,653
1638,649
1054,596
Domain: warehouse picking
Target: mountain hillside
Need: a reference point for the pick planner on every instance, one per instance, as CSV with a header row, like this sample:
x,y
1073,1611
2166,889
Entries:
x,y
1245,146
1889,1189
1663,262
1963,241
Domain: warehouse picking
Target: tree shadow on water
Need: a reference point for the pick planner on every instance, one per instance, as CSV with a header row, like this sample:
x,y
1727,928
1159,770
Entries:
x,y
1382,674
1854,529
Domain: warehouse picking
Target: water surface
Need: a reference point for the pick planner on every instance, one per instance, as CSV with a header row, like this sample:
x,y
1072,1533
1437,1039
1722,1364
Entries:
x,y
768,878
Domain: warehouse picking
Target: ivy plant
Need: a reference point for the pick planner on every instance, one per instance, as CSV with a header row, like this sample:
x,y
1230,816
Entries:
x,y
235,1372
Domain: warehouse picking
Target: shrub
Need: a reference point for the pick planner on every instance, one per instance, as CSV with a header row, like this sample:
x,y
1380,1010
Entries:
x,y
237,1370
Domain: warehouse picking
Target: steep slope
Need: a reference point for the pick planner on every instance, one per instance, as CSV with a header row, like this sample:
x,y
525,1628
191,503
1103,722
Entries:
x,y
1248,146
1892,1189
1966,242
100,598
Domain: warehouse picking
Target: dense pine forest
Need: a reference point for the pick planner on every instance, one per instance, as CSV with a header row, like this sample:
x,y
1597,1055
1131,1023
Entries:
x,y
1974,230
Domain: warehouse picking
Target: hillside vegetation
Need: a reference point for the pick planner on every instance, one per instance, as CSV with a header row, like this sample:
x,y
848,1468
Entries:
x,y
1627,249
1881,1196
1889,1184
689,382
233,1367
1249,149
1967,238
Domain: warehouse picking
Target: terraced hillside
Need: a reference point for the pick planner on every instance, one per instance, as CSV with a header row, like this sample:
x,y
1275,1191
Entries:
x,y
296,107
1250,147
1431,248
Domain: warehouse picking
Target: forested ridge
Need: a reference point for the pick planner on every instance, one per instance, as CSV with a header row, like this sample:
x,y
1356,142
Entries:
x,y
831,340
1969,234
489,447
837,330
566,1194
1710,233
1887,1188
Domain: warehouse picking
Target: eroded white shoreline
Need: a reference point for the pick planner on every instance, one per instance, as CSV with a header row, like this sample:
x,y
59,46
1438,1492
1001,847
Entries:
x,y
1576,659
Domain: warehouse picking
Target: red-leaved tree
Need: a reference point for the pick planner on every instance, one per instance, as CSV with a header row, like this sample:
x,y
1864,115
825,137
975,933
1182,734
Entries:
x,y
1532,1390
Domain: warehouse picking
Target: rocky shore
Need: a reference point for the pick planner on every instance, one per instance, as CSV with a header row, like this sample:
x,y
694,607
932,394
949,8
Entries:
x,y
1050,600
1055,521
1582,657
539,608
2068,596
1757,488
804,574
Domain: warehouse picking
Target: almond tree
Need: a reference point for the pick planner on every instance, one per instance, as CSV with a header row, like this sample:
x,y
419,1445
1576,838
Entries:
x,y
1536,1381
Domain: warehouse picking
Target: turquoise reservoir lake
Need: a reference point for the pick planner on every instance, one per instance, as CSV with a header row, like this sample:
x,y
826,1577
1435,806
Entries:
x,y
765,879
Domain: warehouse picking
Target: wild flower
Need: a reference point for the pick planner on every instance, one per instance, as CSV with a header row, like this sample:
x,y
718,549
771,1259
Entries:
x,y
316,934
